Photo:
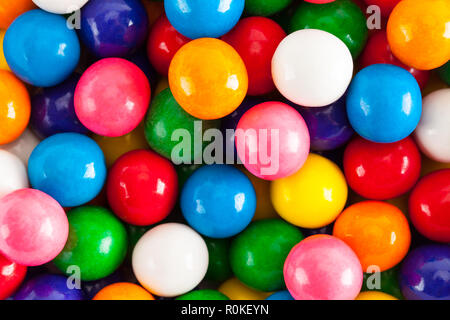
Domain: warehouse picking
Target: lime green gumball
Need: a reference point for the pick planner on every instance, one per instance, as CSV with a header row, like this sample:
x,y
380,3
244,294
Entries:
x,y
203,295
265,7
219,262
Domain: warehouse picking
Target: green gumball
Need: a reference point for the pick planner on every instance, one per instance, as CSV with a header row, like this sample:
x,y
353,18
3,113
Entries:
x,y
444,73
203,295
219,262
265,7
387,281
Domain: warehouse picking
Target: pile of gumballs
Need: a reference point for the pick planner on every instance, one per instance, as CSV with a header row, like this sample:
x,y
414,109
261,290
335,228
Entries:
x,y
118,180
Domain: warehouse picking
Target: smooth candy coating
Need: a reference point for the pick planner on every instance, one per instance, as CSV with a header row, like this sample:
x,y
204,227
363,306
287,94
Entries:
x,y
265,7
170,259
10,10
11,276
219,268
384,103
323,267
22,146
34,227
112,97
236,290
312,68
45,44
70,167
123,291
203,295
48,287
374,295
12,172
60,6
280,295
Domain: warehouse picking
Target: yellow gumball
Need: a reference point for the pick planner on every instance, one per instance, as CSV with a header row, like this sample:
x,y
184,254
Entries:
x,y
236,290
3,64
312,197
374,295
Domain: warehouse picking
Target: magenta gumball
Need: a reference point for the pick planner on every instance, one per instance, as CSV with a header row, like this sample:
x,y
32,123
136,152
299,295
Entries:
x,y
323,267
34,227
272,140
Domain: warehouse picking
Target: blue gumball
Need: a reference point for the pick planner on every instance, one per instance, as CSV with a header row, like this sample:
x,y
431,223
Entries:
x,y
280,295
113,28
48,287
218,201
203,18
70,167
40,49
384,103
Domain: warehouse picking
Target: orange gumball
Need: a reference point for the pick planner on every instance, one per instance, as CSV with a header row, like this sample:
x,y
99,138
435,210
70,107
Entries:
x,y
14,107
123,291
208,78
378,232
418,33
11,9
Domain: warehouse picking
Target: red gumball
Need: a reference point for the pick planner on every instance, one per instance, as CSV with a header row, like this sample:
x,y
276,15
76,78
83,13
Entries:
x,y
381,171
377,50
163,42
11,276
429,206
386,6
256,39
142,187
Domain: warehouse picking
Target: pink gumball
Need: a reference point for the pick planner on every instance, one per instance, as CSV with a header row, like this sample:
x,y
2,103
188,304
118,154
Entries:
x,y
33,227
272,140
112,97
323,267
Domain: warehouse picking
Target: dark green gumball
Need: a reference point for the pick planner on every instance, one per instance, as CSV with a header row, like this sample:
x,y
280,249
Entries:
x,y
97,243
388,282
342,18
257,254
265,7
203,295
219,262
444,73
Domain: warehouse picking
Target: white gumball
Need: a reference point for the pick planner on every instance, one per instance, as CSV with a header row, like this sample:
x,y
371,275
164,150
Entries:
x,y
60,6
23,146
170,259
433,132
312,68
13,174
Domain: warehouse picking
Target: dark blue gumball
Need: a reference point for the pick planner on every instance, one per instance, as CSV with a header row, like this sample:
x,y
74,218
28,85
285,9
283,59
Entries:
x,y
49,287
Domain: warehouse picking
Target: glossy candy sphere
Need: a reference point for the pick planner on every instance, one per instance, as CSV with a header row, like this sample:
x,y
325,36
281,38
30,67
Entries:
x,y
53,110
10,10
15,107
22,146
222,213
70,167
424,271
170,259
236,290
34,227
113,28
142,187
378,232
3,63
60,6
45,43
12,172
123,291
272,140
97,243
444,73
203,295
313,196
381,171
219,268
208,78
323,267
433,132
384,103
112,97
256,39
257,254
205,18
429,206
312,68
11,276
417,32
386,6
48,287
374,295
265,7
280,295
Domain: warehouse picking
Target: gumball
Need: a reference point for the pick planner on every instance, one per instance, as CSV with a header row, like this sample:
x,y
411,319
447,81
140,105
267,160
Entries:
x,y
433,132
45,44
258,253
272,140
384,103
203,19
13,173
418,33
97,243
70,167
374,295
142,187
3,63
203,295
256,39
429,206
386,6
218,201
312,197
444,73
208,78
123,291
386,282
11,276
378,232
113,28
312,68
236,290
265,7
170,259
22,146
163,42
280,295
219,268
48,287
381,171
112,97
10,10
91,288
60,6
14,107
34,227
378,50
323,267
